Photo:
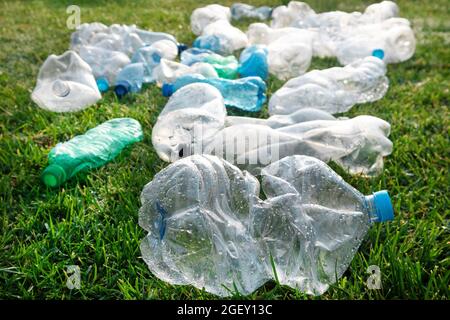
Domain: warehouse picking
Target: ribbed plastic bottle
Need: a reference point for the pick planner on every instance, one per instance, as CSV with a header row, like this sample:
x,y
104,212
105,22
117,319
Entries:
x,y
93,149
247,94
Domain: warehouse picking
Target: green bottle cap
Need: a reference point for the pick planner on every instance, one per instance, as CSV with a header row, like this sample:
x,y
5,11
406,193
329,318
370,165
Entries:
x,y
54,175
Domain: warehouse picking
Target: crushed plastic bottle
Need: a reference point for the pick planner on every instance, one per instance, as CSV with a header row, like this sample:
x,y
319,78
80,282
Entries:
x,y
247,94
152,55
123,38
65,83
352,36
226,67
393,37
309,227
334,90
287,16
222,38
201,17
169,71
194,121
300,14
260,33
131,78
105,64
91,150
253,62
242,10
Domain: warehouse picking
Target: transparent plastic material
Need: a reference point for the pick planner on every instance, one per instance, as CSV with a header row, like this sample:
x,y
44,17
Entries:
x,y
91,150
105,64
169,71
194,121
123,38
247,94
65,83
131,78
333,90
300,14
253,62
222,38
394,36
351,36
226,67
208,227
242,10
201,17
152,54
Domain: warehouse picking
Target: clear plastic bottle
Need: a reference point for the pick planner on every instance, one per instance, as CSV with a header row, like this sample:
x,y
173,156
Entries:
x,y
242,10
247,94
226,67
168,71
208,227
201,17
222,38
91,150
105,64
65,84
131,78
333,90
152,54
194,121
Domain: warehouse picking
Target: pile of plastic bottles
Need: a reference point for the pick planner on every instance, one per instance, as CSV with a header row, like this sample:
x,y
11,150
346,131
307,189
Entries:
x,y
206,221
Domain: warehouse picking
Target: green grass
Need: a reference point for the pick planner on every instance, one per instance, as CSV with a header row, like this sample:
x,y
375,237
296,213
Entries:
x,y
92,220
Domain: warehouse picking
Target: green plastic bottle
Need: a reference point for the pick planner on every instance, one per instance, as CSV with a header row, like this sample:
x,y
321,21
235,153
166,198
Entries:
x,y
93,149
226,67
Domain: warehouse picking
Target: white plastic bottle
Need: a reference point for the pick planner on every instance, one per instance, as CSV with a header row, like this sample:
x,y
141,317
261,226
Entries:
x,y
201,17
333,90
65,83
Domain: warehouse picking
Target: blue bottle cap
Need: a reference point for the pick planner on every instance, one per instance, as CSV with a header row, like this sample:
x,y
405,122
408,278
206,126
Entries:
x,y
181,48
156,57
102,84
378,53
383,206
167,89
122,88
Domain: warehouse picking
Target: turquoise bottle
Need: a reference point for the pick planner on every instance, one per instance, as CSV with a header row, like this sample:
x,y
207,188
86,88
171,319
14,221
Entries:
x,y
91,150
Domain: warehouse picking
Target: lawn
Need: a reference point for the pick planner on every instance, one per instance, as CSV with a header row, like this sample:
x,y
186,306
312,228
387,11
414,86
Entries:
x,y
92,220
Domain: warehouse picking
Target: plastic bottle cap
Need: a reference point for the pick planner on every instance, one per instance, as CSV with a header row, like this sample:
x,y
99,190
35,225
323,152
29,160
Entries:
x,y
61,88
378,53
167,89
383,206
181,48
122,88
102,84
53,175
156,57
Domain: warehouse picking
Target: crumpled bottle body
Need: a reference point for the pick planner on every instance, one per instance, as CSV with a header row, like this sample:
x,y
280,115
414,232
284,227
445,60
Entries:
x,y
333,90
65,84
207,226
185,128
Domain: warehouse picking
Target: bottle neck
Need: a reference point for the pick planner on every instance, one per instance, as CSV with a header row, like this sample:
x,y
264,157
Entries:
x,y
369,202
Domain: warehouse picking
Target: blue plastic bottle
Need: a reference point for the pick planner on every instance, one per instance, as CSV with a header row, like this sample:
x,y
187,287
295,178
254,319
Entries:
x,y
247,94
253,62
131,78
